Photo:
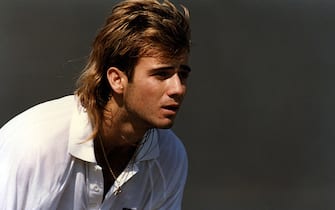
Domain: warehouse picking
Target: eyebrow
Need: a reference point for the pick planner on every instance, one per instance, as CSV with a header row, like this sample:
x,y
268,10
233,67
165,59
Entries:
x,y
182,67
186,67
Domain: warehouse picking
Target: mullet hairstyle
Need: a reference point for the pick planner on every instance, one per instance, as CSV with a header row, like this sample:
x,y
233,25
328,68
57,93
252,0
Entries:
x,y
135,28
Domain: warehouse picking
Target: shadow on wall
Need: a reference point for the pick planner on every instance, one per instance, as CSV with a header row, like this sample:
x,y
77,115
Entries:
x,y
257,120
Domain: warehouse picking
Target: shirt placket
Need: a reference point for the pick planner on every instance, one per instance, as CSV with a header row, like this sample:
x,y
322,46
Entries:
x,y
130,171
95,186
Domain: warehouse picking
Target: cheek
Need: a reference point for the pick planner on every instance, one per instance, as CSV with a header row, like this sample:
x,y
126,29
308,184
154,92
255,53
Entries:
x,y
150,89
139,96
145,93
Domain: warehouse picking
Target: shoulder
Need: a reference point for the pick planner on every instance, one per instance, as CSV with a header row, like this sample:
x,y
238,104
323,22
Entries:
x,y
42,112
170,143
39,115
173,169
172,151
39,127
33,148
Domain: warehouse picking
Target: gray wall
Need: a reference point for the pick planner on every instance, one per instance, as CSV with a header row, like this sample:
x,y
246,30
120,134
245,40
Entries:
x,y
258,119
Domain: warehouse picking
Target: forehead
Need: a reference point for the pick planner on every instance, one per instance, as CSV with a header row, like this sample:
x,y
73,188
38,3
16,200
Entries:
x,y
165,54
175,59
156,61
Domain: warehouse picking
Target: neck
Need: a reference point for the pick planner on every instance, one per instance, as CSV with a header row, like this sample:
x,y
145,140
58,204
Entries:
x,y
118,130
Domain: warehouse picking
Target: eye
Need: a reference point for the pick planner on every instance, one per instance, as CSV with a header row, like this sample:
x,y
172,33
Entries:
x,y
183,74
163,74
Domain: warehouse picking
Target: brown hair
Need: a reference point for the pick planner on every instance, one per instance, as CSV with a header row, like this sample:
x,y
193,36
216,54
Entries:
x,y
135,28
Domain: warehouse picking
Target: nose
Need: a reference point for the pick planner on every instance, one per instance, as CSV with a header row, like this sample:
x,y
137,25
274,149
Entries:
x,y
176,87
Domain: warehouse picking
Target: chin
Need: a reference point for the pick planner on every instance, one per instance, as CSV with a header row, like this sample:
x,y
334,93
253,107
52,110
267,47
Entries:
x,y
165,125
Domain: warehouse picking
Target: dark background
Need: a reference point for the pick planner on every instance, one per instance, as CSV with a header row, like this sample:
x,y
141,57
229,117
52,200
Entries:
x,y
258,119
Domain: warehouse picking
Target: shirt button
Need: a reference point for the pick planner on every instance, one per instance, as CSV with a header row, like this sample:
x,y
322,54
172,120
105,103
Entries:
x,y
96,188
97,168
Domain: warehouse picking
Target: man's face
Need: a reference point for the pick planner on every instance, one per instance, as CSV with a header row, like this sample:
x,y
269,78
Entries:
x,y
156,91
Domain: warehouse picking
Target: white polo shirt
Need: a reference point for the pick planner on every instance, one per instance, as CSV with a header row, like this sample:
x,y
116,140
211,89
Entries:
x,y
47,163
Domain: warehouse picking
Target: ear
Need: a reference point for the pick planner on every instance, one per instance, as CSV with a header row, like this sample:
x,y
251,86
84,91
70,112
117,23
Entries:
x,y
117,79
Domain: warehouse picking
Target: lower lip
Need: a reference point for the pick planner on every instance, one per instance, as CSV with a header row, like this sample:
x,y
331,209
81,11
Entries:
x,y
170,111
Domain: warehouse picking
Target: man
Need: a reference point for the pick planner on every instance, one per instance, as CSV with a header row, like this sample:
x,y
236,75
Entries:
x,y
108,146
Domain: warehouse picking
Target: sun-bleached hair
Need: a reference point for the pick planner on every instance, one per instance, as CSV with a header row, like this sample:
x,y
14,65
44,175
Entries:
x,y
135,28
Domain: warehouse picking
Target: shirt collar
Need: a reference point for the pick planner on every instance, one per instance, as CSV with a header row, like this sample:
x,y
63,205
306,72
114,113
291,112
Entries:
x,y
149,147
81,145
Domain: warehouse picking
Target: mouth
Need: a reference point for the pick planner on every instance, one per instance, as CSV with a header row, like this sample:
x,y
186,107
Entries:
x,y
172,108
